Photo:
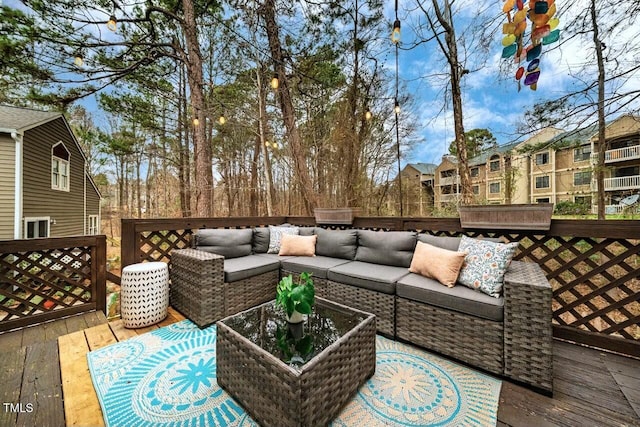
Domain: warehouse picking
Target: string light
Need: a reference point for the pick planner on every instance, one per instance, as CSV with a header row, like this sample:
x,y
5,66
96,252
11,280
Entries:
x,y
368,114
112,23
222,119
396,107
196,122
395,34
275,82
78,60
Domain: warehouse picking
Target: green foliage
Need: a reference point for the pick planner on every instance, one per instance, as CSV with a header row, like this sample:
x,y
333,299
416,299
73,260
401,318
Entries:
x,y
567,207
293,296
477,141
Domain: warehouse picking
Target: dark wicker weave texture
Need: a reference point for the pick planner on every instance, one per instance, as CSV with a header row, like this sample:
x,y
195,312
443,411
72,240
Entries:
x,y
528,332
382,305
199,292
197,285
277,395
468,338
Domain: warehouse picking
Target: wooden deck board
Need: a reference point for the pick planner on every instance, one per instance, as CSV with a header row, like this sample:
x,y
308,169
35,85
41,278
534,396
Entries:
x,y
11,340
41,387
11,370
81,406
52,330
99,336
591,387
33,335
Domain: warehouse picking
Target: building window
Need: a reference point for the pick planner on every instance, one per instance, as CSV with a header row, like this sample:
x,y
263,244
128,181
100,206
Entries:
x,y
447,173
35,228
494,163
543,200
582,178
494,188
60,167
581,154
476,189
93,225
475,172
542,181
542,158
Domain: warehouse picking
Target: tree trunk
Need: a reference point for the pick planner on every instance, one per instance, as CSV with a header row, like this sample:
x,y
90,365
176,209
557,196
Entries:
x,y
601,121
202,150
267,10
262,131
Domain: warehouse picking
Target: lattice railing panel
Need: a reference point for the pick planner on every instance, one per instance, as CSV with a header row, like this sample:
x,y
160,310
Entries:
x,y
157,245
35,282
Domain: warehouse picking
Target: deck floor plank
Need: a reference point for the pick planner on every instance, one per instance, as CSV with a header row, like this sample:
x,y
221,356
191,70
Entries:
x,y
121,333
99,336
76,323
81,406
11,371
41,387
53,330
11,340
33,335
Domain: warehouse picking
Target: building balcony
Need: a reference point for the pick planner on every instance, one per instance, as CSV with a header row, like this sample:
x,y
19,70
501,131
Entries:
x,y
631,182
444,198
622,154
449,180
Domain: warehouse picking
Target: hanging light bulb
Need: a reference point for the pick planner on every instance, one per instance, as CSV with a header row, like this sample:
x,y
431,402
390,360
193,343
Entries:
x,y
275,82
368,114
222,119
78,60
196,122
112,23
395,34
396,108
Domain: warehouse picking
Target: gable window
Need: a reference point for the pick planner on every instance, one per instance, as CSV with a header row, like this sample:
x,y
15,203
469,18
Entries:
x,y
542,181
60,167
581,154
476,189
35,228
475,172
494,163
494,188
447,173
543,200
582,178
542,158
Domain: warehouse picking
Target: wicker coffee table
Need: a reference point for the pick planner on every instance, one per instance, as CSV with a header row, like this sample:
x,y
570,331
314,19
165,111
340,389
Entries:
x,y
299,376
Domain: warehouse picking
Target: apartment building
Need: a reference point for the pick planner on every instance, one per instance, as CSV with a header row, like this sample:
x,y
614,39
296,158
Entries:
x,y
551,166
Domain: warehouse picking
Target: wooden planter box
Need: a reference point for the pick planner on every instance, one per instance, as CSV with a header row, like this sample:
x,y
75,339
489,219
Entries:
x,y
507,217
335,215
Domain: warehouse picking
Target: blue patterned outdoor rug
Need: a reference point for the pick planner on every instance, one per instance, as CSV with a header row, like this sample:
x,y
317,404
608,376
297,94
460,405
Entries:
x,y
168,378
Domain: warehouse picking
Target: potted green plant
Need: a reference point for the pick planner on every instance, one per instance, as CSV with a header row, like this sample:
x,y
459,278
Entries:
x,y
296,298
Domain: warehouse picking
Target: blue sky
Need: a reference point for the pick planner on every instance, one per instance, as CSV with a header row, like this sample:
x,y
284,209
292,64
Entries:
x,y
492,100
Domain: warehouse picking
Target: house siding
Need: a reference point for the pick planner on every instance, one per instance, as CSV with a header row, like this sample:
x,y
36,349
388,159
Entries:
x,y
65,207
93,201
7,183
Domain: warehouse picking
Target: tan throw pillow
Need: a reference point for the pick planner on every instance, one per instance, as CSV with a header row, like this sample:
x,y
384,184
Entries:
x,y
298,245
437,263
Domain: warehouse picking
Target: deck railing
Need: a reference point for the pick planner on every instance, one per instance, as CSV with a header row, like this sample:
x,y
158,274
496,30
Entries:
x,y
631,182
45,279
593,266
622,154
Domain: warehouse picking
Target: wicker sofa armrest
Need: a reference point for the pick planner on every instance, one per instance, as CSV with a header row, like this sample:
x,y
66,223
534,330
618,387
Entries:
x,y
197,285
528,354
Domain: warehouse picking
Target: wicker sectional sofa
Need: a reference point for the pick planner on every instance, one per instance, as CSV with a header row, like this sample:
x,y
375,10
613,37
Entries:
x,y
368,270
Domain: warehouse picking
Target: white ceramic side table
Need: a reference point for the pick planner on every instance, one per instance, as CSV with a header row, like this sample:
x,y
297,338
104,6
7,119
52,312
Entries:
x,y
144,294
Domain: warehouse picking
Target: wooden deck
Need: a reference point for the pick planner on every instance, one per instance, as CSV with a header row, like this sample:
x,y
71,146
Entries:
x,y
46,382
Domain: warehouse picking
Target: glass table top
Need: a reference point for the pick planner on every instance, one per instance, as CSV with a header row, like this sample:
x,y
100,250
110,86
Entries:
x,y
295,344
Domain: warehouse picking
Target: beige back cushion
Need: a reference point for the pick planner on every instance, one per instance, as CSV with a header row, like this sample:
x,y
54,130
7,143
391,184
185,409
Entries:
x,y
437,263
298,245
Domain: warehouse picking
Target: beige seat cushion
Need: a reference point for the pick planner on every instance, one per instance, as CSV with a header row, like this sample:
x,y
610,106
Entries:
x,y
298,245
437,263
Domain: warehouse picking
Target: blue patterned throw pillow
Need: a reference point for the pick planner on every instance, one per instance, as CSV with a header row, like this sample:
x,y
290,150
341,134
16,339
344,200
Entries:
x,y
275,236
485,264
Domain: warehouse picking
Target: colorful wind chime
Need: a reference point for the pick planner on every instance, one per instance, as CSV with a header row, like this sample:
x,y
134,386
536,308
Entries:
x,y
541,14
